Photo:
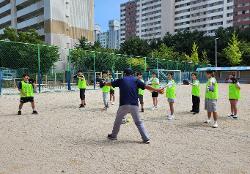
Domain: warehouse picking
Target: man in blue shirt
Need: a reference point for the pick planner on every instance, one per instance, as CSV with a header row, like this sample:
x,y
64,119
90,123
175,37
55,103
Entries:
x,y
129,86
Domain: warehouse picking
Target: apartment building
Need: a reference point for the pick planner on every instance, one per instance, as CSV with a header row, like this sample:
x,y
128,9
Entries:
x,y
203,15
114,34
147,19
242,13
59,22
110,38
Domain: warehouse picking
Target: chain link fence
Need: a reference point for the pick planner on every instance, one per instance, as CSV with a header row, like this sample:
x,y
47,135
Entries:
x,y
39,60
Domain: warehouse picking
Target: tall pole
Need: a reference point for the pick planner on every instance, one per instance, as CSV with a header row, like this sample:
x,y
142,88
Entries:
x,y
215,52
94,56
39,68
145,64
68,71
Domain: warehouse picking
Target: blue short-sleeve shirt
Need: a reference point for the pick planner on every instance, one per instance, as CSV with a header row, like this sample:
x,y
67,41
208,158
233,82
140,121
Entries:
x,y
128,86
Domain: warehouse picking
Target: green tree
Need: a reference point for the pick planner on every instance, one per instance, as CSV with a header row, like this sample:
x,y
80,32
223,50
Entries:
x,y
136,47
24,55
245,49
232,51
165,52
194,55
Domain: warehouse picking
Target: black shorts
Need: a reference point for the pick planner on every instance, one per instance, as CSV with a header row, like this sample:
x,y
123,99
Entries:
x,y
82,94
141,99
155,94
112,91
26,99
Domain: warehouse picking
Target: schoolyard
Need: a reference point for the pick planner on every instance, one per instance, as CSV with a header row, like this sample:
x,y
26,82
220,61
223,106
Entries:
x,y
66,139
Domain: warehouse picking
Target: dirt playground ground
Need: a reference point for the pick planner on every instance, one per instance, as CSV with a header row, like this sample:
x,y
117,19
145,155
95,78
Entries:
x,y
66,139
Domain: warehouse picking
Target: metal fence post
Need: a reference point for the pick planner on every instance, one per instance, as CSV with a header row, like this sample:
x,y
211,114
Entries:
x,y
94,70
68,72
1,78
39,68
145,64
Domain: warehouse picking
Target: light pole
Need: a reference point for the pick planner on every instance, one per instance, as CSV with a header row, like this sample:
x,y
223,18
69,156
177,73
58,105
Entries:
x,y
215,51
94,70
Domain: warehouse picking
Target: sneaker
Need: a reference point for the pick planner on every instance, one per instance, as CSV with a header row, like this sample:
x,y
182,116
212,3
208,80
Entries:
x,y
156,107
207,121
110,137
146,141
19,113
81,106
191,111
230,115
35,112
215,125
235,117
112,103
194,113
153,108
170,117
142,110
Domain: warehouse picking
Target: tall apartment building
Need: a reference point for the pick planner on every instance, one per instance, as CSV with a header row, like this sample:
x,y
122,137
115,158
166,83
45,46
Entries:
x,y
147,19
114,34
110,38
242,13
203,15
59,22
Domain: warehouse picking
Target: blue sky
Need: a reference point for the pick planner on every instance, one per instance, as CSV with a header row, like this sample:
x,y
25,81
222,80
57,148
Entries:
x,y
106,10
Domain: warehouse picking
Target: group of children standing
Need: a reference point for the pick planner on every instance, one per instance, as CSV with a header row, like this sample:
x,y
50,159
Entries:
x,y
27,86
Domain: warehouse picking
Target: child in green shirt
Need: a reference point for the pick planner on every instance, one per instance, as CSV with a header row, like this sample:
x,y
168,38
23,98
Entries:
x,y
195,94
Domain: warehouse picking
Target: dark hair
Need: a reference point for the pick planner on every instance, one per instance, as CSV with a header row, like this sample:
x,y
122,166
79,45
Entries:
x,y
234,79
195,74
210,72
153,73
24,75
138,74
128,71
104,72
170,73
79,71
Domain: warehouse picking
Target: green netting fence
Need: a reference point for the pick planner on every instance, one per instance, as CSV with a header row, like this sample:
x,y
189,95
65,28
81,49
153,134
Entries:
x,y
39,61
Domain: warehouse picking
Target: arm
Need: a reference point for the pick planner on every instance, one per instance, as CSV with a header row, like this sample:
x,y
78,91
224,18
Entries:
x,y
153,89
238,85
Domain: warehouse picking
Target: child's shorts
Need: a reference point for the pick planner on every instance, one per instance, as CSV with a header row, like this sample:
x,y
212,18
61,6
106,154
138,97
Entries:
x,y
171,100
112,91
210,105
26,99
141,99
155,94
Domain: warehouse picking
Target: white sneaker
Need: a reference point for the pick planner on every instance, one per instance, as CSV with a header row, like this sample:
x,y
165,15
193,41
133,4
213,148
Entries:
x,y
153,108
215,125
235,117
170,117
207,121
230,115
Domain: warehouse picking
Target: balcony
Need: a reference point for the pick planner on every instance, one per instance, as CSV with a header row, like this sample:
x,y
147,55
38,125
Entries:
x,y
30,22
30,9
5,8
5,19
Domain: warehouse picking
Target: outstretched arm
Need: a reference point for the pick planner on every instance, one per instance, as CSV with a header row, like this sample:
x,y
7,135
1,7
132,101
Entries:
x,y
153,89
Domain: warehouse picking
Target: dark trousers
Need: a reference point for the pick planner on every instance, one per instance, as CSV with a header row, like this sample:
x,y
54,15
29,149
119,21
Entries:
x,y
82,94
196,104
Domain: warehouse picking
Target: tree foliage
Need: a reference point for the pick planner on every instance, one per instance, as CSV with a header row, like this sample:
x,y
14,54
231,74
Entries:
x,y
17,55
232,51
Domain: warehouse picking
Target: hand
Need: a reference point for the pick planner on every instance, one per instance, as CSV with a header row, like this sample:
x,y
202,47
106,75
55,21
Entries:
x,y
161,91
211,88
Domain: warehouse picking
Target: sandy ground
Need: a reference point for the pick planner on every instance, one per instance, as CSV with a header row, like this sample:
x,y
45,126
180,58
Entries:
x,y
65,139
